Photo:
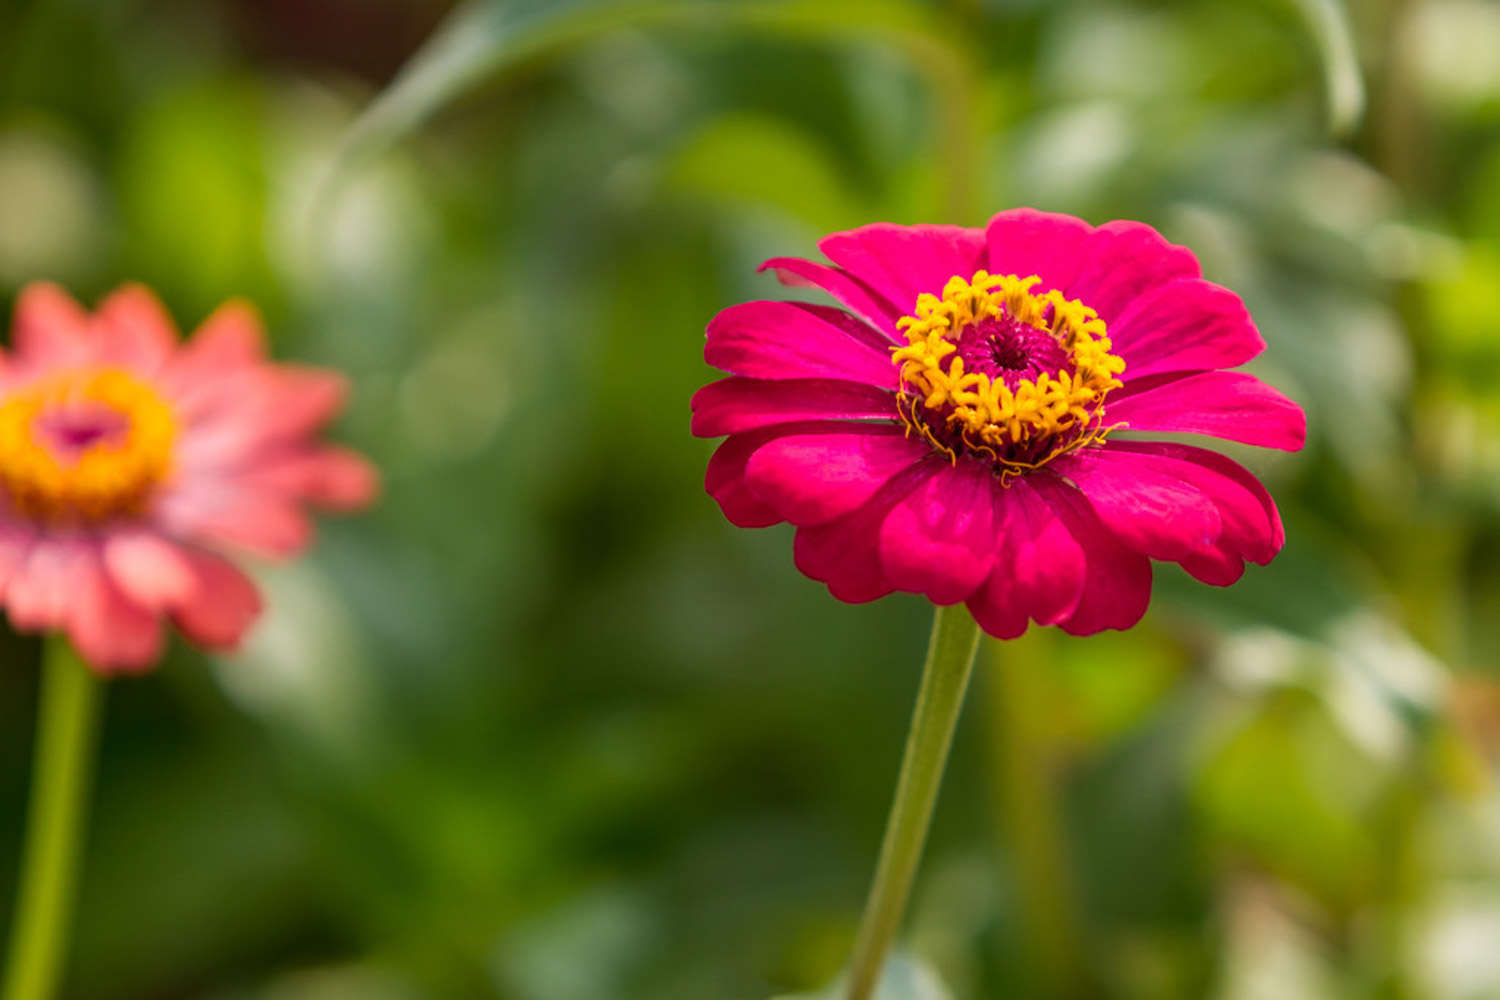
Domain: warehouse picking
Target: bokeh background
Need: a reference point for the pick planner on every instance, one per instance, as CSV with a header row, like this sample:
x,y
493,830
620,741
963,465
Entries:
x,y
543,726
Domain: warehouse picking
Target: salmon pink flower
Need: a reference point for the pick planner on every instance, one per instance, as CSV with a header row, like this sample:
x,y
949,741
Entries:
x,y
959,430
130,463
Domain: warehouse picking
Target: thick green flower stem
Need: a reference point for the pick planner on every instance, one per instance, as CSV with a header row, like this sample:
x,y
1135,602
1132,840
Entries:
x,y
60,780
945,677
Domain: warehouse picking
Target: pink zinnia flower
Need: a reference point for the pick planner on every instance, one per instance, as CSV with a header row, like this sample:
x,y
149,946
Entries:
x,y
129,462
959,432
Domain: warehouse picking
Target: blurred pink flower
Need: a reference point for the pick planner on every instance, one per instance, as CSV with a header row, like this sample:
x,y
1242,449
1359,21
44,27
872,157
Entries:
x,y
129,462
958,432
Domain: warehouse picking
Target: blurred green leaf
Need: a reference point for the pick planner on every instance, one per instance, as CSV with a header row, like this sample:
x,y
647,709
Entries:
x,y
1288,791
1465,311
762,161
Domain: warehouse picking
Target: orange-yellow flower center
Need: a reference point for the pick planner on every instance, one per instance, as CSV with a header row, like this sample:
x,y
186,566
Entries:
x,y
84,445
994,369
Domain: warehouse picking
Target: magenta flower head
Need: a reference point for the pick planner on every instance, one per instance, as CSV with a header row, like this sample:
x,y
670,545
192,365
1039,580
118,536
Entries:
x,y
131,464
959,430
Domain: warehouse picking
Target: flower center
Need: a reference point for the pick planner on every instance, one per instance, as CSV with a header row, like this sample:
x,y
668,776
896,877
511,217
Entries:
x,y
84,445
992,369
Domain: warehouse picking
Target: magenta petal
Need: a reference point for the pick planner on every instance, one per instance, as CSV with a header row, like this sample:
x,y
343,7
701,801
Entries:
x,y
1039,567
1229,405
737,404
813,478
1251,524
1150,510
1001,620
1214,566
902,262
940,540
1117,584
725,479
1184,325
779,340
1023,242
843,286
845,553
1123,260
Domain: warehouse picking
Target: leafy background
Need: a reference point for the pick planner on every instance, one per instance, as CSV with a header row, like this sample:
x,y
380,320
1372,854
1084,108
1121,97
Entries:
x,y
543,726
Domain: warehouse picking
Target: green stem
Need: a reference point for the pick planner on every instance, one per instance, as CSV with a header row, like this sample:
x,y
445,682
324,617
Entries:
x,y
945,677
60,779
1028,791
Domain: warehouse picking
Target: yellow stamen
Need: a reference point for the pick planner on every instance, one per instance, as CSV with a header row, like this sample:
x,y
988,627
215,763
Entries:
x,y
987,415
110,476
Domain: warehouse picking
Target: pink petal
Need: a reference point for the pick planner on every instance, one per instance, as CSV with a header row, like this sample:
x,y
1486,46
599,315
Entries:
x,y
845,553
737,404
298,399
150,569
232,338
222,606
50,327
812,478
132,328
331,477
1023,242
1123,260
226,513
902,262
1117,585
16,541
1184,325
1150,510
232,420
1039,568
940,539
778,340
41,590
849,290
110,631
1229,405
